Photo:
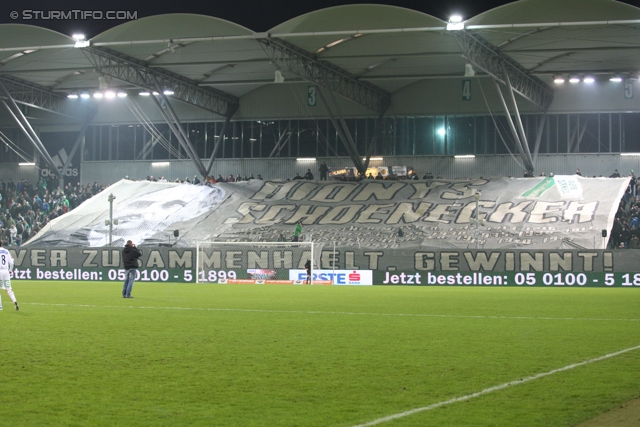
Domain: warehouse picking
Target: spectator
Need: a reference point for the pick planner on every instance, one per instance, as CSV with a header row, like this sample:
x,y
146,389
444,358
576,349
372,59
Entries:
x,y
323,171
297,176
308,176
297,232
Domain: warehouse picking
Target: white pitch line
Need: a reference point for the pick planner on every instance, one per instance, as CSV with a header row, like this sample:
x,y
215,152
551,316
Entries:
x,y
345,313
492,389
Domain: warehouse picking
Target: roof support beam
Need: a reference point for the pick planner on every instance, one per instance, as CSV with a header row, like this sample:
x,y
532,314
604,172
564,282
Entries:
x,y
374,139
220,141
79,140
523,135
536,147
36,96
344,134
174,124
139,73
528,163
24,124
287,56
491,60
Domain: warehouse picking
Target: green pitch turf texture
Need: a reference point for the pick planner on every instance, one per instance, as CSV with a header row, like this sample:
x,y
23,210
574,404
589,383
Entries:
x,y
77,354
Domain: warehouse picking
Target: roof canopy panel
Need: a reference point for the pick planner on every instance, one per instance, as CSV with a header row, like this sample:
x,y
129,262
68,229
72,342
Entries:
x,y
20,35
171,26
357,17
541,11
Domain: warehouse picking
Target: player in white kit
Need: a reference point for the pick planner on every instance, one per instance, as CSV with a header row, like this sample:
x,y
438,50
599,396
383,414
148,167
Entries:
x,y
6,265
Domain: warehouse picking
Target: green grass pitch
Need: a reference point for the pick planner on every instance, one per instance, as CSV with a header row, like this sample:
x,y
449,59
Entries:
x,y
77,354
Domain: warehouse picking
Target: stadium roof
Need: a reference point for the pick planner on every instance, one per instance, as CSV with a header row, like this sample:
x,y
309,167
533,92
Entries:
x,y
383,47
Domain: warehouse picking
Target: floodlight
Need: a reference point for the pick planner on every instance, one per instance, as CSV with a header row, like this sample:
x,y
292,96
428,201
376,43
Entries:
x,y
558,79
98,95
574,79
80,41
144,94
589,79
109,94
455,23
615,78
168,92
85,95
72,96
122,94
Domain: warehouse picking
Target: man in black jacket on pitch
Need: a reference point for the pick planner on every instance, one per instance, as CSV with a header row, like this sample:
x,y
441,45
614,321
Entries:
x,y
130,255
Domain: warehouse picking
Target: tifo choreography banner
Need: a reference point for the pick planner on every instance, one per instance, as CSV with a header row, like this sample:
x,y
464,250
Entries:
x,y
352,266
562,212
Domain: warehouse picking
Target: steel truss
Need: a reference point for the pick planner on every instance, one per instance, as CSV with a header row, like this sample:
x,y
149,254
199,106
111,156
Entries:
x,y
127,69
491,60
289,57
37,96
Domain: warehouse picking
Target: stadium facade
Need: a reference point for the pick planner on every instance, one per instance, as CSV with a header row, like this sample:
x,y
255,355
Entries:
x,y
339,85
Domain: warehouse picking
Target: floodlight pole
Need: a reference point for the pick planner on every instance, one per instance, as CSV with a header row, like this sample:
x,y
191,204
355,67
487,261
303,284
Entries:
x,y
111,199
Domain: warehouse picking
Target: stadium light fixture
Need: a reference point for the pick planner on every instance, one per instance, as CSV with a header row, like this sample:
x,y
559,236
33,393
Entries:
x,y
589,79
160,163
144,93
558,79
80,41
615,78
109,94
85,95
374,159
455,23
574,79
630,154
72,95
98,95
464,156
306,159
442,132
122,94
168,92
26,164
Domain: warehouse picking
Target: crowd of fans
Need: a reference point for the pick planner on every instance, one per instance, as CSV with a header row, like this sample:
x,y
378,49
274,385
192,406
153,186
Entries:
x,y
26,208
625,233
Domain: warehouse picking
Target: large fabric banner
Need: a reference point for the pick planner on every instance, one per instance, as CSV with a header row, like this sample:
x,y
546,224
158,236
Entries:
x,y
562,212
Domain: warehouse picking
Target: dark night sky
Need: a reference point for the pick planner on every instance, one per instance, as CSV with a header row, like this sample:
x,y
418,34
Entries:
x,y
255,15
